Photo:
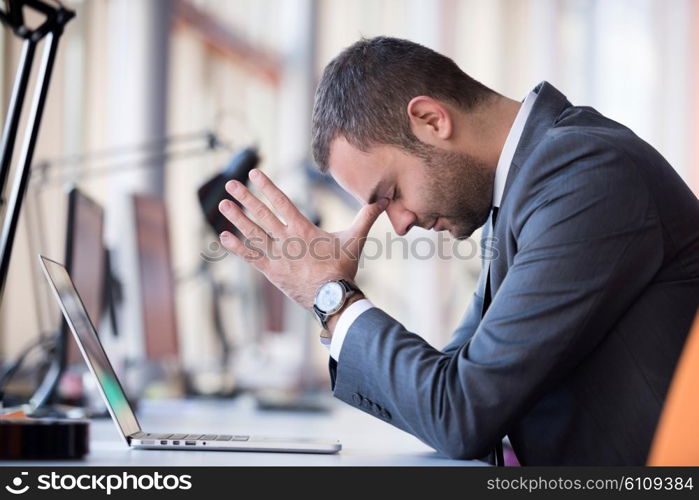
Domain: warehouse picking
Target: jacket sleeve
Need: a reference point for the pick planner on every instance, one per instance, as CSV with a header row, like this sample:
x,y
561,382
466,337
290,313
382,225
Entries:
x,y
463,333
588,243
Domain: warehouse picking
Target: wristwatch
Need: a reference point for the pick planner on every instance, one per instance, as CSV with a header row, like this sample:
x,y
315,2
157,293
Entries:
x,y
330,298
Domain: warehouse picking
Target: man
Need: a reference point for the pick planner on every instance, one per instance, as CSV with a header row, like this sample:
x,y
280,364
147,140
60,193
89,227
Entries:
x,y
589,296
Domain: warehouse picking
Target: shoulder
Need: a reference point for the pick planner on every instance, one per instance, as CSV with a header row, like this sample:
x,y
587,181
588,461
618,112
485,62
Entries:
x,y
575,170
584,158
563,145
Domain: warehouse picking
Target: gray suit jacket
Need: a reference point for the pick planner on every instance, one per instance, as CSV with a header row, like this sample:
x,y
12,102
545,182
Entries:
x,y
594,287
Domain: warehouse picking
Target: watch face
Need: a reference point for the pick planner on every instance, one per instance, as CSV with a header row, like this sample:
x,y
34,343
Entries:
x,y
330,296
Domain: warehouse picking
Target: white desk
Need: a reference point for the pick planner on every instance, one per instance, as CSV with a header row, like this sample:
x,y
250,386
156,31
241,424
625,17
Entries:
x,y
365,440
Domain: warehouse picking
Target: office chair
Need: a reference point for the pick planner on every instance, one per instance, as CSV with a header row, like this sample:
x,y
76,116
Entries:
x,y
676,439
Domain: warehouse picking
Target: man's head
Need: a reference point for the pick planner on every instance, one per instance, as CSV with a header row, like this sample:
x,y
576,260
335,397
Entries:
x,y
397,120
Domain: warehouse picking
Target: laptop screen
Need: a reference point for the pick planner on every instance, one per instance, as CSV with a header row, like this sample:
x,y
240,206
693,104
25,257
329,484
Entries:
x,y
85,335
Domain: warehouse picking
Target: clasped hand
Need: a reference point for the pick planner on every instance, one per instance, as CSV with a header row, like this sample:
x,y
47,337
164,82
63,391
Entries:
x,y
293,253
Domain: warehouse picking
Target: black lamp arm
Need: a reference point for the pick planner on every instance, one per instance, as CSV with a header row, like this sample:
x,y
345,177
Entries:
x,y
56,18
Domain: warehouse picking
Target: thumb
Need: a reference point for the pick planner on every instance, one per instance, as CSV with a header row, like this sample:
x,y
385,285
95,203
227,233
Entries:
x,y
366,217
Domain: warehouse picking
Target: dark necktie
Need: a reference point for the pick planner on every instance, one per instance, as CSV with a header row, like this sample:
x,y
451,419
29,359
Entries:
x,y
496,455
486,296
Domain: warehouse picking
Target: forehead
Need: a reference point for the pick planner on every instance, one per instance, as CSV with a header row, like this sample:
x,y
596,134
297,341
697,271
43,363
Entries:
x,y
345,156
359,172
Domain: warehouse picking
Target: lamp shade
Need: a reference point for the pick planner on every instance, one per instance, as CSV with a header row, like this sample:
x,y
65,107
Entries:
x,y
214,190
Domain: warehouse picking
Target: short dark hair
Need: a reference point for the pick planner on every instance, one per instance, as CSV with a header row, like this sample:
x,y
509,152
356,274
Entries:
x,y
363,94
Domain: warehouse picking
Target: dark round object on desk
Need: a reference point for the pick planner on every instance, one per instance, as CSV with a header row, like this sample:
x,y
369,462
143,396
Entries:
x,y
44,439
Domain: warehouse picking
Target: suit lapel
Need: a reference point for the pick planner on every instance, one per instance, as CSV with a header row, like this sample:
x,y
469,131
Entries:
x,y
549,105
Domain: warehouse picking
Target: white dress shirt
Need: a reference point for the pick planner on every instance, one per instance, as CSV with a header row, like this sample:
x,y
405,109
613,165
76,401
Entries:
x,y
349,315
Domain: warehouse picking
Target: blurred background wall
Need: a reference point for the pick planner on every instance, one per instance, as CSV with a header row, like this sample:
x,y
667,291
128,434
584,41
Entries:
x,y
133,71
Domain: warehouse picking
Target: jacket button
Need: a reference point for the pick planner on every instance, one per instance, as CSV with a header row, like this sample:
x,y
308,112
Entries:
x,y
357,398
385,414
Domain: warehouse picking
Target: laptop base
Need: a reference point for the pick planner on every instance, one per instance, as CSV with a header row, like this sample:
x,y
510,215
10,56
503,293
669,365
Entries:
x,y
230,442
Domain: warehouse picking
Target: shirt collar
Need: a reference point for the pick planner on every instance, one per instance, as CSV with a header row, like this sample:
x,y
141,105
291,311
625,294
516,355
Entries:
x,y
508,150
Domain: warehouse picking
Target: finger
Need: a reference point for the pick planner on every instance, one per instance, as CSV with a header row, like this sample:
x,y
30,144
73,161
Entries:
x,y
261,212
245,251
366,217
248,228
281,203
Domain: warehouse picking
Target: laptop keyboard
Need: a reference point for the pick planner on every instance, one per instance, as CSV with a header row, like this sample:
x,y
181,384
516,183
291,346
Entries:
x,y
192,437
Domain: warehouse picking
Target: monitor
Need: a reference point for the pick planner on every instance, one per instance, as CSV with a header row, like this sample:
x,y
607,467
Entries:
x,y
85,257
156,276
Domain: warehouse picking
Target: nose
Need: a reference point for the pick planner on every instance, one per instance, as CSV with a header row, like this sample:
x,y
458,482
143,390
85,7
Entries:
x,y
401,218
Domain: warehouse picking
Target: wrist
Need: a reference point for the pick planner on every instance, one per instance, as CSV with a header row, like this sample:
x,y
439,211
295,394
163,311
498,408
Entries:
x,y
332,320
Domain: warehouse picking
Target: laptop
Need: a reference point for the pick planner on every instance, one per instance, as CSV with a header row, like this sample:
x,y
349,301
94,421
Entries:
x,y
118,405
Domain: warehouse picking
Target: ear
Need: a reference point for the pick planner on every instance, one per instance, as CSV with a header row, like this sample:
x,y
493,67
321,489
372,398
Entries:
x,y
430,120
